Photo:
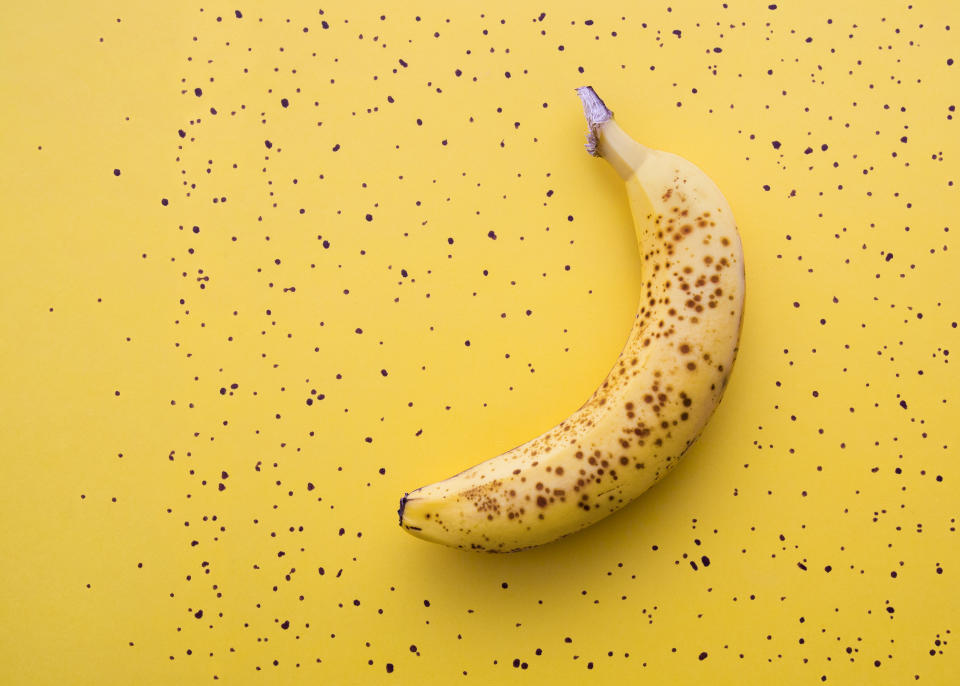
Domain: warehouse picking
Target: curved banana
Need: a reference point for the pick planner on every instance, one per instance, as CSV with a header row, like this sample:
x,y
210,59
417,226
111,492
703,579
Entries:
x,y
659,394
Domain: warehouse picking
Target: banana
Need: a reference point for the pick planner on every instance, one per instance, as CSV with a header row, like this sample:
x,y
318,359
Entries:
x,y
655,401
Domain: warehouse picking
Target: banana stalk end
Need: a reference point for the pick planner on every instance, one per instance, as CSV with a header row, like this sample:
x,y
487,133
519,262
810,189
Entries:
x,y
596,113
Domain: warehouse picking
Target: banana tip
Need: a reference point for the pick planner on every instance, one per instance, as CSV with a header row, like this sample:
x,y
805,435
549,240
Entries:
x,y
403,506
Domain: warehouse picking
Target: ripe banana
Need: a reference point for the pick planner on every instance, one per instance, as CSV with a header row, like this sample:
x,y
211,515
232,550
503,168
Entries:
x,y
659,394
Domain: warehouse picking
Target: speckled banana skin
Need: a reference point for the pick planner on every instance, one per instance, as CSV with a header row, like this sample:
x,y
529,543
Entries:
x,y
654,402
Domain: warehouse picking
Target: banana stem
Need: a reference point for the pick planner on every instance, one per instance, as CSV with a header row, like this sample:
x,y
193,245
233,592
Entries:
x,y
606,139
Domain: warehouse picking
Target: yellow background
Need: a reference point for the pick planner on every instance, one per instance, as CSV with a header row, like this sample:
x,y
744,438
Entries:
x,y
123,330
